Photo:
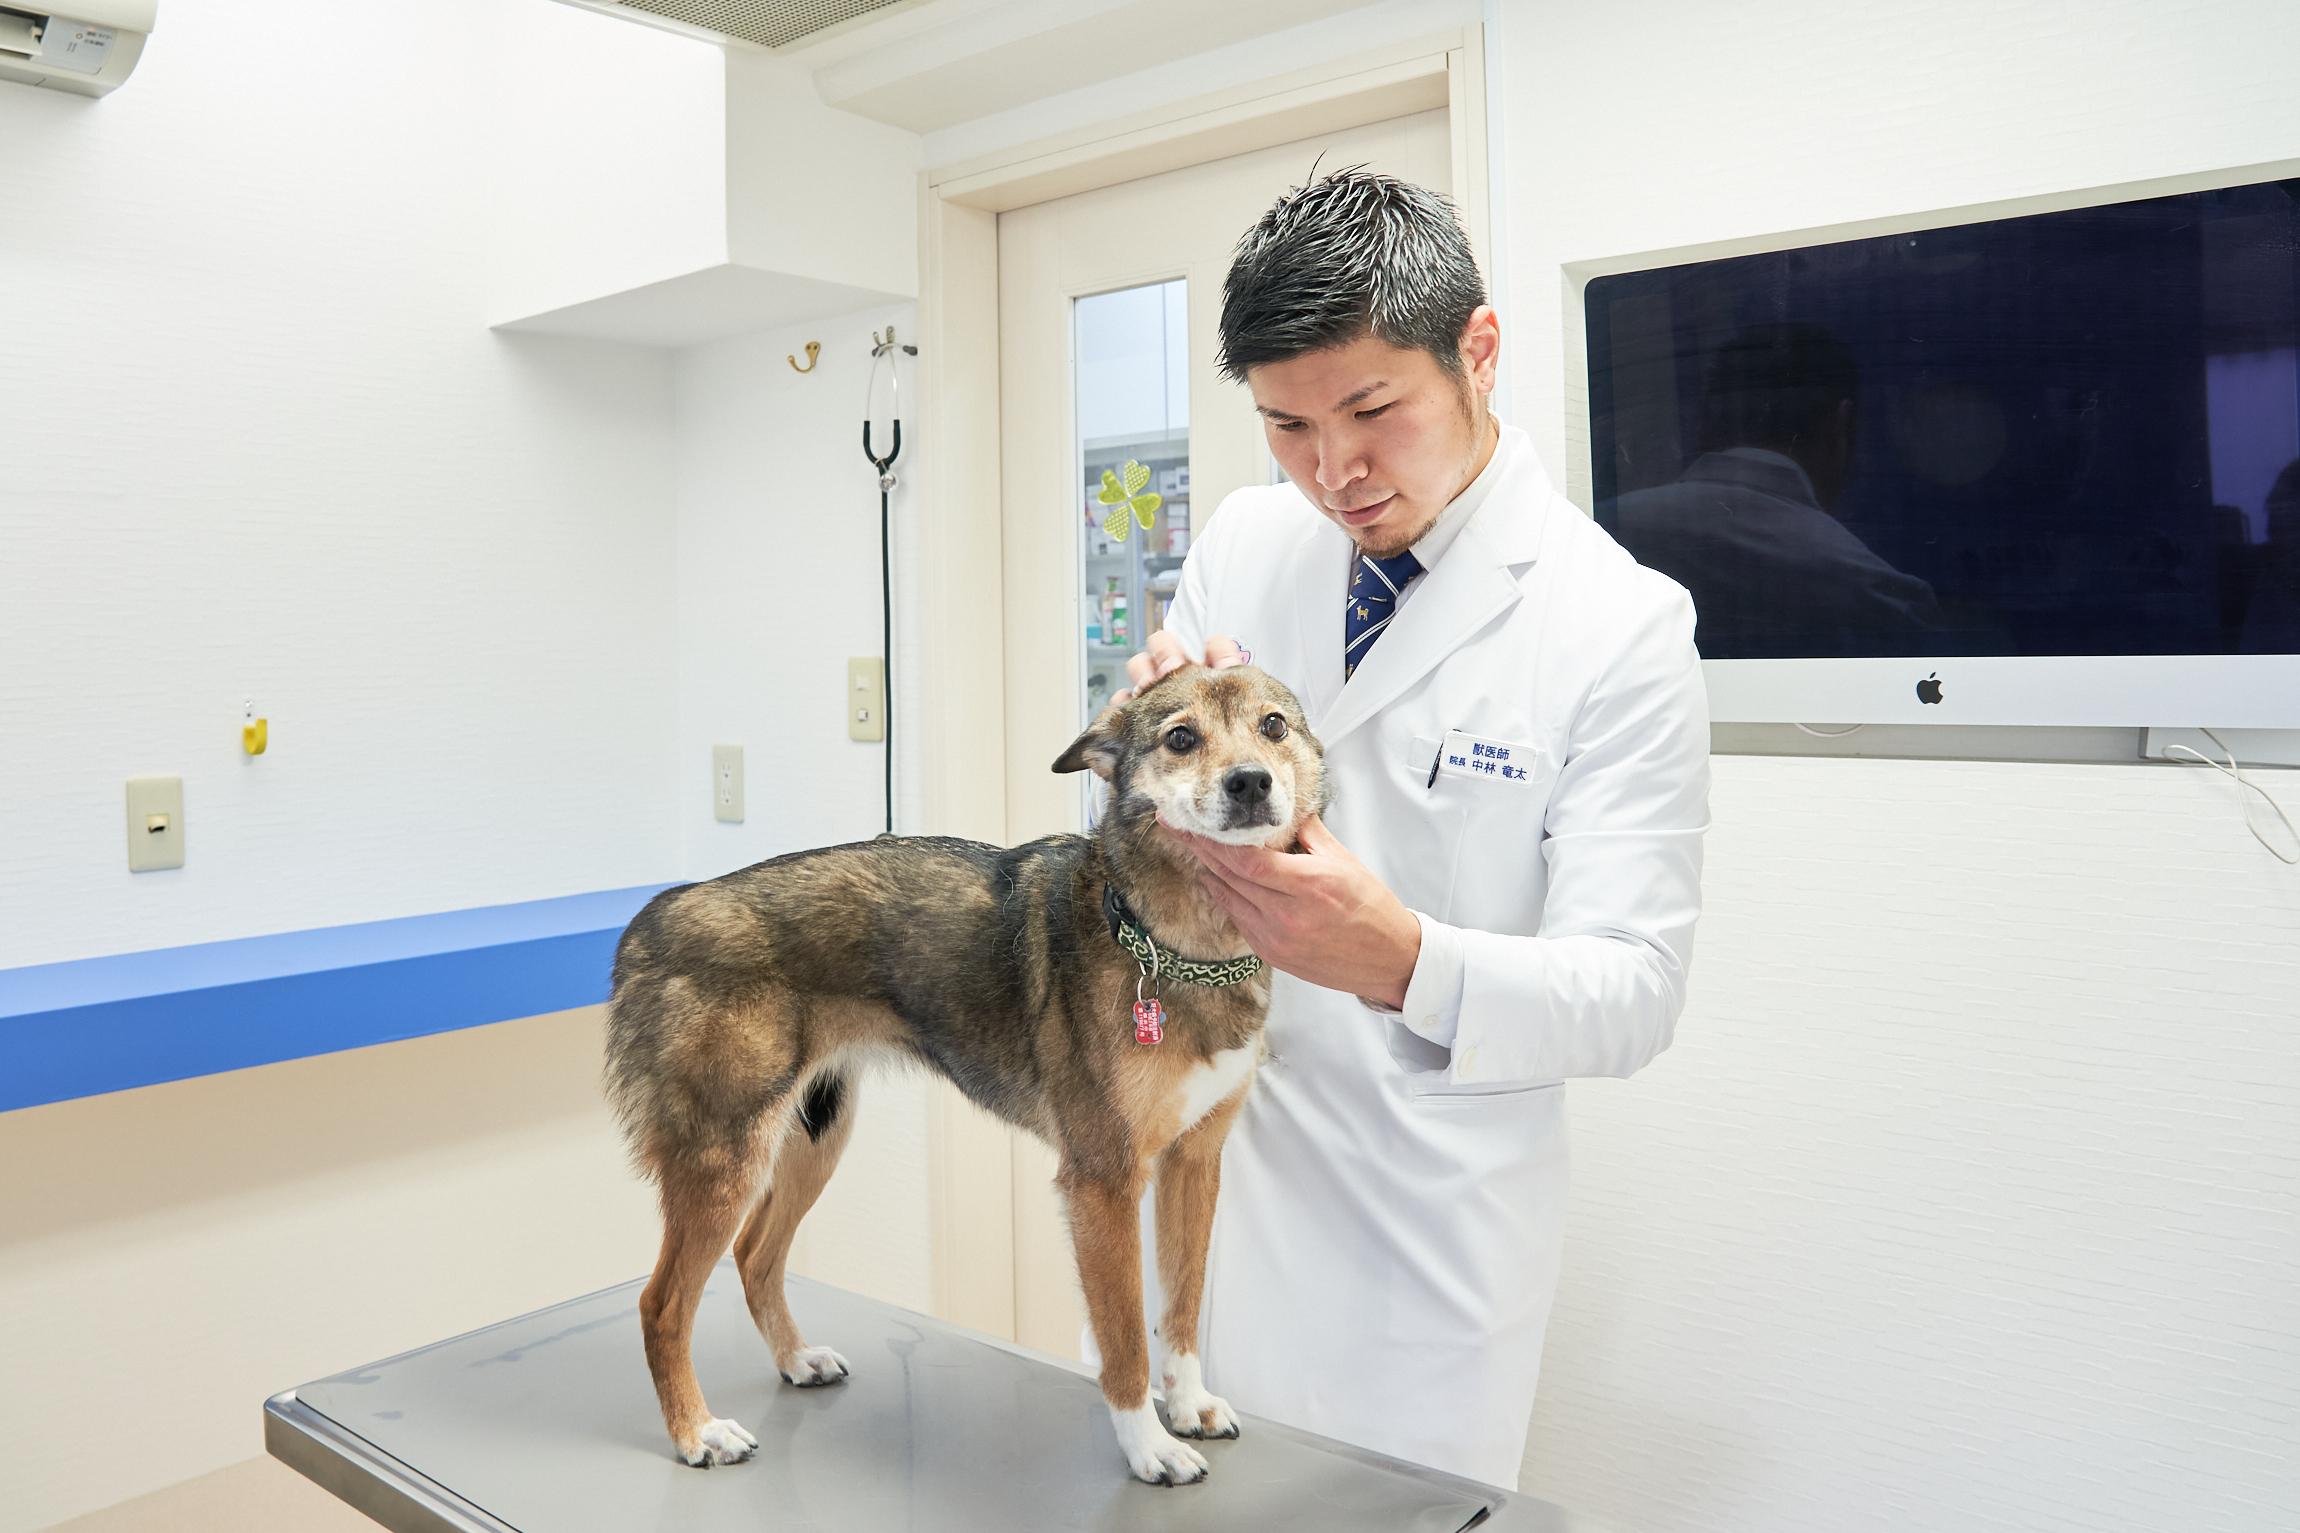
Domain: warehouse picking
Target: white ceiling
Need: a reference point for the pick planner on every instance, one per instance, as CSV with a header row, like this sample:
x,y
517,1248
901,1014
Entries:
x,y
936,63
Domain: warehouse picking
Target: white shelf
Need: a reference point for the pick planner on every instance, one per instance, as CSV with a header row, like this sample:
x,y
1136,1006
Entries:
x,y
698,306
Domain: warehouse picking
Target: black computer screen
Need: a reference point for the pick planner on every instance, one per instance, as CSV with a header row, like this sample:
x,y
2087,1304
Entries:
x,y
2071,433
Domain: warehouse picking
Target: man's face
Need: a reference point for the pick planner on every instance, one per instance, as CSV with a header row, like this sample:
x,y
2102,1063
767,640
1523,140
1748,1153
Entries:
x,y
1379,438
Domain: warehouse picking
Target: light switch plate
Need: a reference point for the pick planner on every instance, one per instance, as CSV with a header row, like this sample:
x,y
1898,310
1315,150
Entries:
x,y
727,783
866,698
155,823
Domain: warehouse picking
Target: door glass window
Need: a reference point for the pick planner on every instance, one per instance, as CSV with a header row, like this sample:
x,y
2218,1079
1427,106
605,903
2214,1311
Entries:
x,y
1133,412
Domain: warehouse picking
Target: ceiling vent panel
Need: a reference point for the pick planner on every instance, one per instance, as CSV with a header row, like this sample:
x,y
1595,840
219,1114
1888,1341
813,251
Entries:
x,y
767,23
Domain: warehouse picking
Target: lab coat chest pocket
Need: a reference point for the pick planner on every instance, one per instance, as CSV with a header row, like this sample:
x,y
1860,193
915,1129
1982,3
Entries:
x,y
1420,871
1500,793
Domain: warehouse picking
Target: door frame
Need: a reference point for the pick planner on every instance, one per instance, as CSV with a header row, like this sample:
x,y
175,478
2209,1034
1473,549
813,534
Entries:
x,y
958,695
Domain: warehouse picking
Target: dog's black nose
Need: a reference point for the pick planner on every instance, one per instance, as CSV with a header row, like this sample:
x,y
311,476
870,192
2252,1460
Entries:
x,y
1247,784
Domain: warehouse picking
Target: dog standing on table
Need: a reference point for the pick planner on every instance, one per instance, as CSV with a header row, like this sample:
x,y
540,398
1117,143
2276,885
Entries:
x,y
742,1008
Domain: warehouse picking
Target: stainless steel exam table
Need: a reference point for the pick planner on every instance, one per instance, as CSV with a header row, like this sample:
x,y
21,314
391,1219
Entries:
x,y
548,1424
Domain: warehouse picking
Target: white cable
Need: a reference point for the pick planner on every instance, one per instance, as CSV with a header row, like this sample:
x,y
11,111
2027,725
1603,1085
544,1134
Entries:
x,y
1830,734
2237,772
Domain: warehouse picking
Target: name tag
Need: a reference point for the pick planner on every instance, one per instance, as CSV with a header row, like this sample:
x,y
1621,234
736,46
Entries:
x,y
1502,762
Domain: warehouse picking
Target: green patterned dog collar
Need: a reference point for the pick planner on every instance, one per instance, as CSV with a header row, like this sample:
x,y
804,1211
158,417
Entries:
x,y
1164,961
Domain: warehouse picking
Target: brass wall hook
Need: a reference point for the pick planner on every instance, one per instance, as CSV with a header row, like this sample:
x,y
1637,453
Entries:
x,y
814,350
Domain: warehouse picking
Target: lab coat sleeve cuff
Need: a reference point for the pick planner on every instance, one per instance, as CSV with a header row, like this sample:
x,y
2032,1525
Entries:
x,y
1432,1009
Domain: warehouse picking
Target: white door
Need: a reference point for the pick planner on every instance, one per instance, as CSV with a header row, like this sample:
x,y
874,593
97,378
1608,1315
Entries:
x,y
1108,306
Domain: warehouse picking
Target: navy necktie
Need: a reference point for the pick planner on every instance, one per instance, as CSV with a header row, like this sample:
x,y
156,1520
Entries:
x,y
1375,585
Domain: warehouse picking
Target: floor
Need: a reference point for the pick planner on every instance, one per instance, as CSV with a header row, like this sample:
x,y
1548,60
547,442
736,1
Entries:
x,y
259,1495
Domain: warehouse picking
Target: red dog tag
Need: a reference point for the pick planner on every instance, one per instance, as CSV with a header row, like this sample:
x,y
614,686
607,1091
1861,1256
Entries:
x,y
1149,1022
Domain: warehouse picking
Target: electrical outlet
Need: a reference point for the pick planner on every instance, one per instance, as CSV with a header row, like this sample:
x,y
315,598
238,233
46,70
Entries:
x,y
155,823
866,698
727,783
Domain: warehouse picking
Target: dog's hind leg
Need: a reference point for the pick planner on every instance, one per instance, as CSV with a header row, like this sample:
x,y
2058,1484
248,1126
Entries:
x,y
809,1154
1189,1177
1109,1246
704,1195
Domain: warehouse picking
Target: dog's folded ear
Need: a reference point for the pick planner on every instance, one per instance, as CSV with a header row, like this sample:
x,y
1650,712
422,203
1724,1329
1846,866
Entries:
x,y
1098,748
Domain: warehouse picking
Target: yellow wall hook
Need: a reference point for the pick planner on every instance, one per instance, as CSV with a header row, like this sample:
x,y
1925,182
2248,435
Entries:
x,y
814,350
255,733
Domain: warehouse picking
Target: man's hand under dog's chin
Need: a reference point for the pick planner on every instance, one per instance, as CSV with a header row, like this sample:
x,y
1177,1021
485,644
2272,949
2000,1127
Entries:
x,y
1321,915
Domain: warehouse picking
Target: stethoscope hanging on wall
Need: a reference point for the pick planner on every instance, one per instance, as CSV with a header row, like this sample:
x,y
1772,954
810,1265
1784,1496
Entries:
x,y
884,349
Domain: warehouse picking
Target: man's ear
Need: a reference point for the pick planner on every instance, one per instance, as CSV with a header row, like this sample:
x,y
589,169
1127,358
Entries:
x,y
1098,748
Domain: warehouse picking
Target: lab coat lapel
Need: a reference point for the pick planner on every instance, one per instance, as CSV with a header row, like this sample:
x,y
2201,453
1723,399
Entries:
x,y
1318,568
1473,584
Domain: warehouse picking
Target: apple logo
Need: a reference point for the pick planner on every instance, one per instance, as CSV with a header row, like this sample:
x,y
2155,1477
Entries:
x,y
1929,690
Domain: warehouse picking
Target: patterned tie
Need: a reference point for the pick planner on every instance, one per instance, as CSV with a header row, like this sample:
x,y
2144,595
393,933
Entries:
x,y
1374,587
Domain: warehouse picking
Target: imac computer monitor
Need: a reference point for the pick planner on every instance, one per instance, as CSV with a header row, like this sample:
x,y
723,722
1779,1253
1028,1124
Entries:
x,y
2033,470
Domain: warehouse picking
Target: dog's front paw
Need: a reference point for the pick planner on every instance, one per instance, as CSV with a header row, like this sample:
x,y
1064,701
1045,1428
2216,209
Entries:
x,y
1151,1452
719,1442
810,1366
1190,1411
1199,1415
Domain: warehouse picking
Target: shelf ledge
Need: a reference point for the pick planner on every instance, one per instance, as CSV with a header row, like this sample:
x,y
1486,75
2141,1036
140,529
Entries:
x,y
95,1025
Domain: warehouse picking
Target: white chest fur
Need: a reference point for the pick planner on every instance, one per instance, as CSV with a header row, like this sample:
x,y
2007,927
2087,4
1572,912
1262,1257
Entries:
x,y
1213,1082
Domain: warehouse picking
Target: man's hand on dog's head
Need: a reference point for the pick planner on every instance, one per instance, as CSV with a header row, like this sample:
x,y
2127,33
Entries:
x,y
1166,655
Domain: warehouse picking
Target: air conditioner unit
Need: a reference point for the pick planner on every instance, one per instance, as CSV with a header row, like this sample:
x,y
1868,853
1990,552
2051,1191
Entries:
x,y
87,49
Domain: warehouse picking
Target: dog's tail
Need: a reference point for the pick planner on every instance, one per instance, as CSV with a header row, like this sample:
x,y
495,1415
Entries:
x,y
825,1103
638,1000
700,1052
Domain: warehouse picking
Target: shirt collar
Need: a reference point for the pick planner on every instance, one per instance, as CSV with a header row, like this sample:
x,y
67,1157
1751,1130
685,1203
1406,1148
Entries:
x,y
1780,460
1457,513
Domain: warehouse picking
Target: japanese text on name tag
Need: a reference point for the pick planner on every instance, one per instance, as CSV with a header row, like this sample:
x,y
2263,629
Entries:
x,y
1494,759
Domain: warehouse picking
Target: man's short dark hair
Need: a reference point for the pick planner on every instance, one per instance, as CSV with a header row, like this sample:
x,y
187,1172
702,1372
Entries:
x,y
1352,254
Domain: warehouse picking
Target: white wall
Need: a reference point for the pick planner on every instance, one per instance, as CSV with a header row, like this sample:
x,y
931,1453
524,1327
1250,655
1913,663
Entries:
x,y
256,441
607,147
778,571
1966,1197
1310,44
813,191
172,1256
658,188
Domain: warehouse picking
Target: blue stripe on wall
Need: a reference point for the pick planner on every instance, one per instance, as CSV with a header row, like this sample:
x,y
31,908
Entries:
x,y
135,1019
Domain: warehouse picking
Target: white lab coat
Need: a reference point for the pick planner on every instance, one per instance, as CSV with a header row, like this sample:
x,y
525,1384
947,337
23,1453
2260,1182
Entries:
x,y
1391,1217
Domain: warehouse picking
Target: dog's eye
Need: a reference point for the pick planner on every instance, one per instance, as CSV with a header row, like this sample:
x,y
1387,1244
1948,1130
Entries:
x,y
1274,727
1181,738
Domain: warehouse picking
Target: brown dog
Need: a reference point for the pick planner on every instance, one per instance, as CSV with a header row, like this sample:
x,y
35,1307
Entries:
x,y
743,1006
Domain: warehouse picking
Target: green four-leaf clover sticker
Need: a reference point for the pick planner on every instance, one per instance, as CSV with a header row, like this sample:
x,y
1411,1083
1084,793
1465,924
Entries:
x,y
1127,494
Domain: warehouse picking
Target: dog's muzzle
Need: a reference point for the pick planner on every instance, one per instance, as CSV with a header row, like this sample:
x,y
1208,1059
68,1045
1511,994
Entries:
x,y
1246,797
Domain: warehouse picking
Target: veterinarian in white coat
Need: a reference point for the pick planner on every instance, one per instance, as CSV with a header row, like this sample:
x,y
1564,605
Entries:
x,y
1454,946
